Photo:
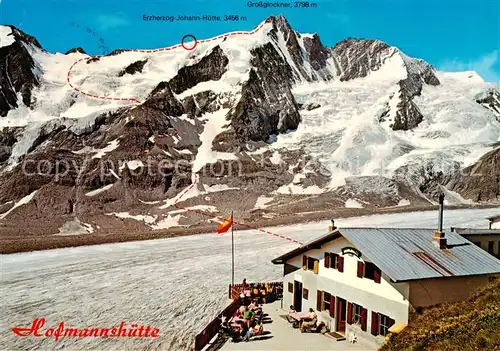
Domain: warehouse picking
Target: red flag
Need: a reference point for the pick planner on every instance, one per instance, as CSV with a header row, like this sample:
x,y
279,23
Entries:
x,y
224,226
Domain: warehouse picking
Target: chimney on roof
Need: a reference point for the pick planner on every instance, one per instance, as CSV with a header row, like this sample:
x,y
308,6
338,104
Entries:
x,y
439,238
332,227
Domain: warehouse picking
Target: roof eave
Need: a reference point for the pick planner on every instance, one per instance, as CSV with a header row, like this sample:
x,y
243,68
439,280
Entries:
x,y
311,246
443,277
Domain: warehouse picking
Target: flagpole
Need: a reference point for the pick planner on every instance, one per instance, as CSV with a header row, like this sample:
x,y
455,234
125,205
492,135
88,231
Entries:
x,y
232,249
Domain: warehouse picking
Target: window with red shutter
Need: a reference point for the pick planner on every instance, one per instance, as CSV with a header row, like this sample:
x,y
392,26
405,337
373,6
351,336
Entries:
x,y
364,312
361,269
374,323
340,263
376,275
327,260
332,306
318,300
349,313
384,323
333,260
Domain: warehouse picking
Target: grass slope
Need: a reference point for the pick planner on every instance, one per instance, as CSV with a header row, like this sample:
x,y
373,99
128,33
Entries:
x,y
468,325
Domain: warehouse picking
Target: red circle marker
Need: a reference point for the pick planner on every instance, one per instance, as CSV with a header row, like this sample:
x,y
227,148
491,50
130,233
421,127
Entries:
x,y
187,36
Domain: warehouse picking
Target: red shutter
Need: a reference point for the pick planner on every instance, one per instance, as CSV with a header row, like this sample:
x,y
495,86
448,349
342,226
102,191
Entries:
x,y
319,294
340,263
332,306
349,313
391,323
376,275
374,328
327,260
304,262
361,269
364,312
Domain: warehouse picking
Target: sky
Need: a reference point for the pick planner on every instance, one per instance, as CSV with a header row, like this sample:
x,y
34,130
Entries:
x,y
452,35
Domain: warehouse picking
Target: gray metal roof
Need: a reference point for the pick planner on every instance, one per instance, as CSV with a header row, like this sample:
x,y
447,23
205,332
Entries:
x,y
409,254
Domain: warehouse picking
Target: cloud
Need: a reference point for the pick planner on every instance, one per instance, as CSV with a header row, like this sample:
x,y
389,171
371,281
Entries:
x,y
111,21
487,66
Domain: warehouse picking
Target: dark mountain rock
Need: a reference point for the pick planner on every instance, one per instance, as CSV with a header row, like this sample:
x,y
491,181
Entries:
x,y
269,83
38,170
93,59
317,55
281,25
490,99
198,104
75,50
133,68
428,75
479,182
408,115
210,67
355,58
117,51
162,98
16,71
8,137
312,106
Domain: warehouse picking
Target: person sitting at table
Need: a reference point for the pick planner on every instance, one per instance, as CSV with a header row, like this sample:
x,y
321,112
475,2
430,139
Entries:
x,y
254,306
248,316
311,322
289,318
253,331
255,292
270,291
263,293
239,312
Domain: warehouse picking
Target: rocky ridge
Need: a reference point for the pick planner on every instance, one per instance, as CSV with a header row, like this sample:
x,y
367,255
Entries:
x,y
136,159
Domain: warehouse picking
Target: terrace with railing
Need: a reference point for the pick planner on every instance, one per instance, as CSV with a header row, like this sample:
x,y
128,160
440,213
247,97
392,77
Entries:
x,y
277,334
209,337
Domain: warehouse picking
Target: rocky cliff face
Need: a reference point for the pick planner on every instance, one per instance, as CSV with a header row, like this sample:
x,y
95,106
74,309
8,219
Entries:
x,y
479,182
17,71
276,115
210,67
490,99
270,78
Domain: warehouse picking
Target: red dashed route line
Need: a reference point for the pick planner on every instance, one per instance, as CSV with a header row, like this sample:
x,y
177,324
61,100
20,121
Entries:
x,y
78,90
137,101
234,222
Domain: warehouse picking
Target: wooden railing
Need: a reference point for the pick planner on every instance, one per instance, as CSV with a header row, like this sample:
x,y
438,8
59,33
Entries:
x,y
212,328
204,337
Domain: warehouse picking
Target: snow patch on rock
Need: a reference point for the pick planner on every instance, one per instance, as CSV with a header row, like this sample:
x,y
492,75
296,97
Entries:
x,y
352,203
298,190
141,218
75,227
262,201
170,221
6,36
21,202
100,190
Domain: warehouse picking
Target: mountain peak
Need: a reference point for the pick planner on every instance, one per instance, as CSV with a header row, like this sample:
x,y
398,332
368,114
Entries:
x,y
17,35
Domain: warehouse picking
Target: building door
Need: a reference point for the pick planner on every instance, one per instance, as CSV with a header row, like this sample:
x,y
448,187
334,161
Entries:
x,y
341,314
297,296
